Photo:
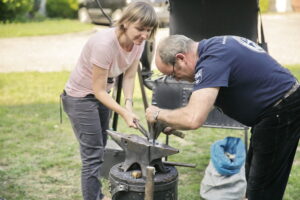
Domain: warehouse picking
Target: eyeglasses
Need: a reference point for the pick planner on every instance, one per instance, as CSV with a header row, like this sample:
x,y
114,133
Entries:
x,y
173,75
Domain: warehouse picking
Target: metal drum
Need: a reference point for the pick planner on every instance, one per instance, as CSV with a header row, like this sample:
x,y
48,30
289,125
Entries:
x,y
200,19
124,186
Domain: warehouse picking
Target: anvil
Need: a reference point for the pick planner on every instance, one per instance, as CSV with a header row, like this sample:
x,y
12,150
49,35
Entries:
x,y
139,150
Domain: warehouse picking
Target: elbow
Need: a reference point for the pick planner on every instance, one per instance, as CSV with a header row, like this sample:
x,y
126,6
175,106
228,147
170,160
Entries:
x,y
99,94
196,123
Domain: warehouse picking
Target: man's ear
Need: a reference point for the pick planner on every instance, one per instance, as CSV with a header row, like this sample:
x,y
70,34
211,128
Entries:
x,y
180,56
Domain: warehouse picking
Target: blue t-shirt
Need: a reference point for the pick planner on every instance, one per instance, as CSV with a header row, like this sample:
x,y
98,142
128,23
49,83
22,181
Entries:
x,y
249,79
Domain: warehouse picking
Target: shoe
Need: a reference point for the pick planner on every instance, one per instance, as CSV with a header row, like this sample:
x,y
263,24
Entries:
x,y
106,198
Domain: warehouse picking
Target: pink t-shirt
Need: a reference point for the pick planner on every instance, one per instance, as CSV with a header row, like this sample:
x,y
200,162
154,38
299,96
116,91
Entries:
x,y
102,49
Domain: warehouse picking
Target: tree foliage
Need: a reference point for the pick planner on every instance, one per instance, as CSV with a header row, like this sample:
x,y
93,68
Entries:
x,y
62,8
12,10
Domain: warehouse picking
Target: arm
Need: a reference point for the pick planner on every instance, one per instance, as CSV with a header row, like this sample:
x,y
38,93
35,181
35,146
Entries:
x,y
128,84
191,116
99,87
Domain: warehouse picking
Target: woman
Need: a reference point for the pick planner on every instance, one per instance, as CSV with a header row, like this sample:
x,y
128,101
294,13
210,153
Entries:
x,y
106,55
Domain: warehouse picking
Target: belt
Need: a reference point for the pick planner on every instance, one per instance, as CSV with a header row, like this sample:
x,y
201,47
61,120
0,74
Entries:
x,y
287,94
88,95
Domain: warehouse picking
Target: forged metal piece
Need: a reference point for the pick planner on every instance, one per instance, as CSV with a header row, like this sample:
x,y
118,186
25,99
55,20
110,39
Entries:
x,y
139,150
157,128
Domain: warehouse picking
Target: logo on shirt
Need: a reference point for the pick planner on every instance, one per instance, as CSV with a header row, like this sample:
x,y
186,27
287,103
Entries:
x,y
198,76
249,44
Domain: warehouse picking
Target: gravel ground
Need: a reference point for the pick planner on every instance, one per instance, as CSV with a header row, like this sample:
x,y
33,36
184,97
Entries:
x,y
282,32
60,52
43,53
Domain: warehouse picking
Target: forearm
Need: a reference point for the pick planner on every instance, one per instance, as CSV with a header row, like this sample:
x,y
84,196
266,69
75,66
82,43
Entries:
x,y
128,89
128,85
181,119
99,87
126,114
191,116
109,102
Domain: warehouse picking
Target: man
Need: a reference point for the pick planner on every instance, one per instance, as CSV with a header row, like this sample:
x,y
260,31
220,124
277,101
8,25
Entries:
x,y
240,78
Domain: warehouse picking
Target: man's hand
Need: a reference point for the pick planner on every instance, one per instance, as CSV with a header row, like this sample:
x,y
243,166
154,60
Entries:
x,y
152,113
168,130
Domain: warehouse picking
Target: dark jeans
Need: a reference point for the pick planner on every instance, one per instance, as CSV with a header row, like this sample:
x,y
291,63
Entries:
x,y
273,145
89,119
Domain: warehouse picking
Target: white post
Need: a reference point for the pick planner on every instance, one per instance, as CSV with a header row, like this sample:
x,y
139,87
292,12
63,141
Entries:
x,y
42,10
283,6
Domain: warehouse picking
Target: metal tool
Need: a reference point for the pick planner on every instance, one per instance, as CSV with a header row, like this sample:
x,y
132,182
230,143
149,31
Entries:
x,y
149,186
159,127
142,129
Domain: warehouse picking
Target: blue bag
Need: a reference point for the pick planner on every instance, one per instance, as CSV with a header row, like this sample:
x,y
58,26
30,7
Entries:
x,y
228,155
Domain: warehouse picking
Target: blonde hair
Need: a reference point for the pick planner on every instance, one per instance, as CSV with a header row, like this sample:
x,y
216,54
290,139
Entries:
x,y
139,11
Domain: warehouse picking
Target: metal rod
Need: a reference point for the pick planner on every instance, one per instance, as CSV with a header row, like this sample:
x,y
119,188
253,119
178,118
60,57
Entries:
x,y
167,143
145,101
118,100
246,138
144,96
179,164
149,187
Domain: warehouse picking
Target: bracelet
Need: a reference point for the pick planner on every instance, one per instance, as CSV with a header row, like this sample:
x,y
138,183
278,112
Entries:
x,y
128,99
155,115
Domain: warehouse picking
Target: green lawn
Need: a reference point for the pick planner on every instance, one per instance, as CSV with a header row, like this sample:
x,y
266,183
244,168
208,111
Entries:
x,y
47,27
39,157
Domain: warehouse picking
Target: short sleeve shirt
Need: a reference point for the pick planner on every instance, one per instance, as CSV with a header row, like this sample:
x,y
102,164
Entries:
x,y
103,50
249,79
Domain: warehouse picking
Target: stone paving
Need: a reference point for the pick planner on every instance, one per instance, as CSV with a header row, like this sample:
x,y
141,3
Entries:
x,y
60,52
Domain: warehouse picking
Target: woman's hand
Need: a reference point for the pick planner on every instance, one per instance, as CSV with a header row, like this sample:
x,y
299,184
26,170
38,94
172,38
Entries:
x,y
130,118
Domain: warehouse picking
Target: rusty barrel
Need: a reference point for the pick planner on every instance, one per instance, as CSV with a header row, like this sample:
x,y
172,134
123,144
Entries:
x,y
124,186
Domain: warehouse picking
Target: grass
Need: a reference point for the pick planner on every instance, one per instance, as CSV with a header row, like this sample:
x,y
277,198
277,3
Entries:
x,y
39,157
47,27
264,5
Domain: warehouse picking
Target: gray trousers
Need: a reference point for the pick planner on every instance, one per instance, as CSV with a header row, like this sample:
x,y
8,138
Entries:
x,y
89,119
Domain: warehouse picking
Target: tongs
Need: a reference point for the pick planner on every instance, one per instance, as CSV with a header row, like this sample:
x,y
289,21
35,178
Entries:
x,y
142,129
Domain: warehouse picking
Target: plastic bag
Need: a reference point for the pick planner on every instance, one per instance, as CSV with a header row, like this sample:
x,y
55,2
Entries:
x,y
221,151
224,177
